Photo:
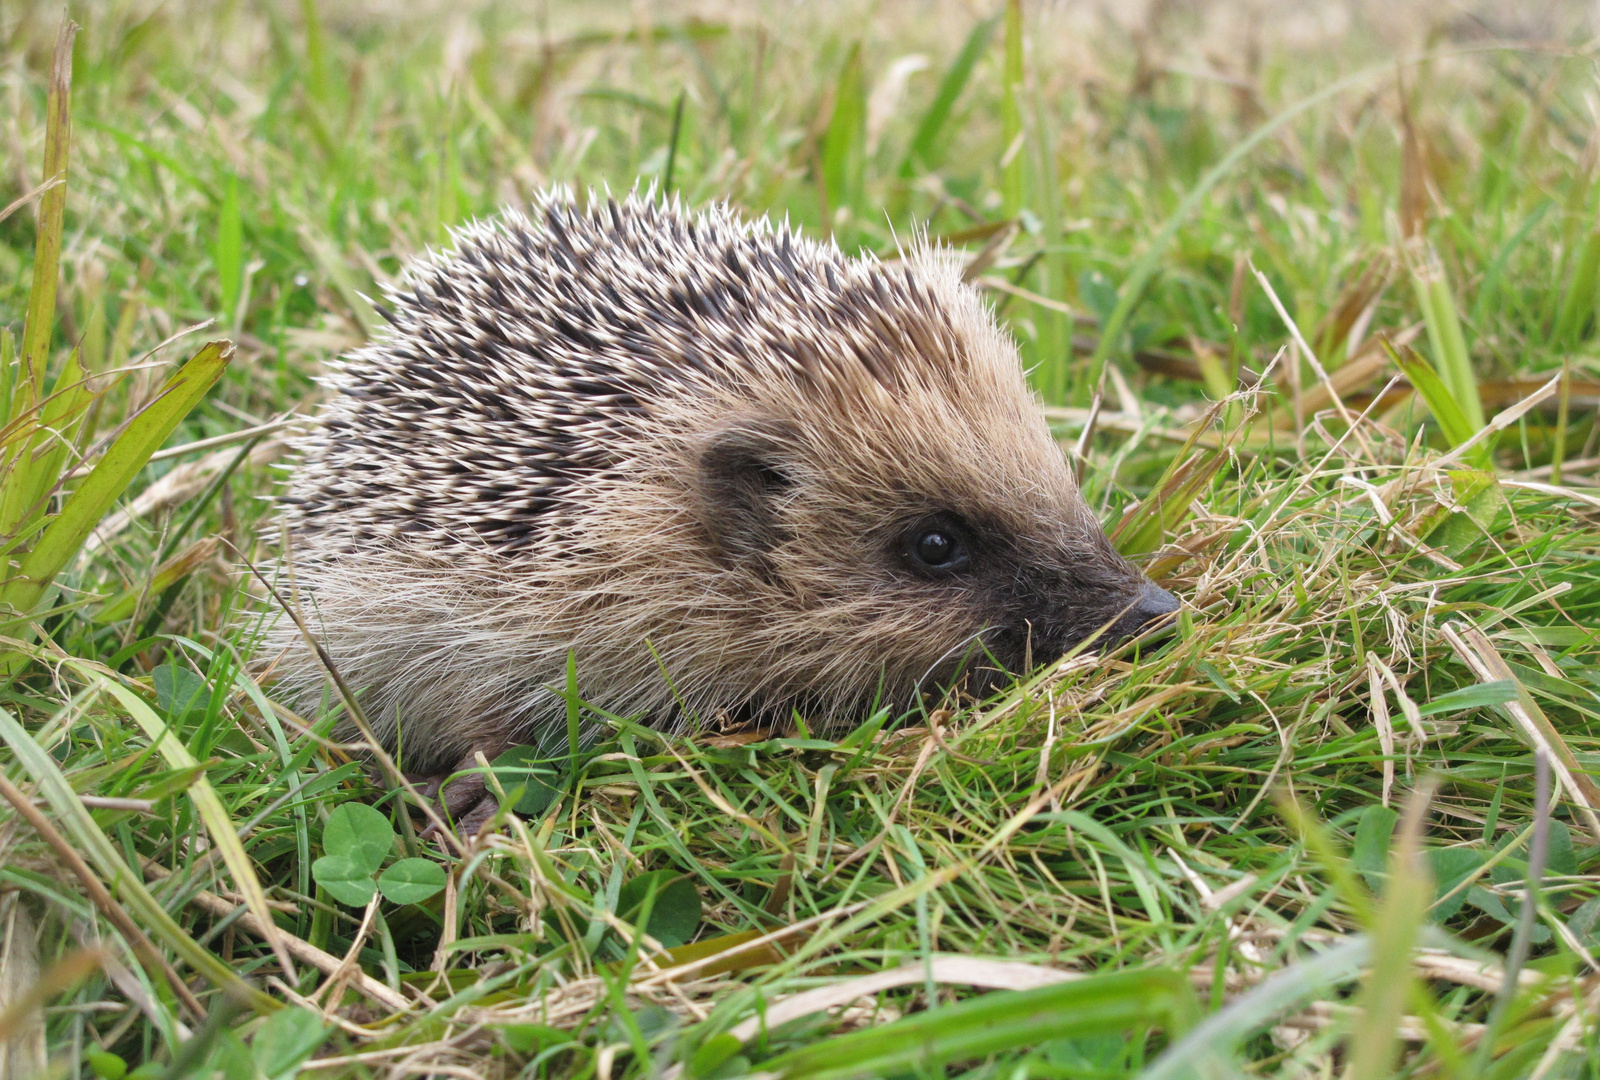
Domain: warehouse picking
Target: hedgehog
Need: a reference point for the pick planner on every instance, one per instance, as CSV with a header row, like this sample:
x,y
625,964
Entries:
x,y
729,471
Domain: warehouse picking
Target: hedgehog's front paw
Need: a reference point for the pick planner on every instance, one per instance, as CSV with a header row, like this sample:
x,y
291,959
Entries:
x,y
466,801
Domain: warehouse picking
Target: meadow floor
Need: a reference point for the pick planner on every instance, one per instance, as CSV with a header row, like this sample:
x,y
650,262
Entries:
x,y
1309,290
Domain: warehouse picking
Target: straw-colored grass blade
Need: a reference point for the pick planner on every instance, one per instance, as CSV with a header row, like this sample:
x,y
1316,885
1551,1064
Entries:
x,y
1413,173
1475,650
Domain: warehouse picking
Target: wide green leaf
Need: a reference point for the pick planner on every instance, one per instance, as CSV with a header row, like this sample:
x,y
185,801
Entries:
x,y
179,691
672,901
411,881
359,833
285,1040
345,878
525,769
1450,867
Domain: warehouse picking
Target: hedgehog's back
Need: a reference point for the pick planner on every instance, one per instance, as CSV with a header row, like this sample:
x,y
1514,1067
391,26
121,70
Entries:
x,y
518,362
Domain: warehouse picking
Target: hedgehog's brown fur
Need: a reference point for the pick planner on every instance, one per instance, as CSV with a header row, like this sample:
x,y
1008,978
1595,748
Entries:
x,y
692,452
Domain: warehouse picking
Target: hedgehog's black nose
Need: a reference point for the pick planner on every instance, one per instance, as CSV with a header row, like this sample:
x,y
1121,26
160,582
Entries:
x,y
1154,607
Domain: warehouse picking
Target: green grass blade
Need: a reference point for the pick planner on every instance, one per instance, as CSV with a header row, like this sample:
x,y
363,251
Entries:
x,y
672,143
229,251
1453,421
1450,352
1012,159
204,797
926,142
844,143
1103,1004
8,373
1578,302
1374,1040
123,461
928,840
39,470
11,447
1145,525
37,450
1055,354
1133,286
318,81
1218,1036
52,212
123,881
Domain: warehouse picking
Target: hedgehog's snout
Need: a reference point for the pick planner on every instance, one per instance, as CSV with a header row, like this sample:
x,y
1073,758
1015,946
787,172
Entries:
x,y
1060,590
1103,617
1152,609
1122,604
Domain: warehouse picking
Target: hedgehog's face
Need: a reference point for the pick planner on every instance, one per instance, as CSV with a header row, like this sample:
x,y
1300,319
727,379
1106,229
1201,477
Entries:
x,y
921,546
1036,592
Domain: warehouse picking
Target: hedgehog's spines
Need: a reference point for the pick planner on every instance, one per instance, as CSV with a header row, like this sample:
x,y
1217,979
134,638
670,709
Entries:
x,y
655,281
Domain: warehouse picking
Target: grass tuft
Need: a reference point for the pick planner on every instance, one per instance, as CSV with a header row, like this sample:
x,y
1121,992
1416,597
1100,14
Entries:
x,y
1307,833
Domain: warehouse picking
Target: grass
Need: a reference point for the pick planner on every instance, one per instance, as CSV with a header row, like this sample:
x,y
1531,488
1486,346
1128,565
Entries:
x,y
1316,316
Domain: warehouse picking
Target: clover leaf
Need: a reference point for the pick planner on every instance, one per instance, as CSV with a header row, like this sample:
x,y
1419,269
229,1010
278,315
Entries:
x,y
288,1037
411,881
675,911
526,769
356,843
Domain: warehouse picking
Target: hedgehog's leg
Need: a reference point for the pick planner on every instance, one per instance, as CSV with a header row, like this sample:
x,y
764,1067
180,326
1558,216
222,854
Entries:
x,y
466,801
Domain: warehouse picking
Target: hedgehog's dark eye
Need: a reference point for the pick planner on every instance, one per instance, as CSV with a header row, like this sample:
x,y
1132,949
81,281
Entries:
x,y
937,546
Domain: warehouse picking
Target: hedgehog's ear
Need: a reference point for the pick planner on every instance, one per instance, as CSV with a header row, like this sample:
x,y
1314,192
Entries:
x,y
743,469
